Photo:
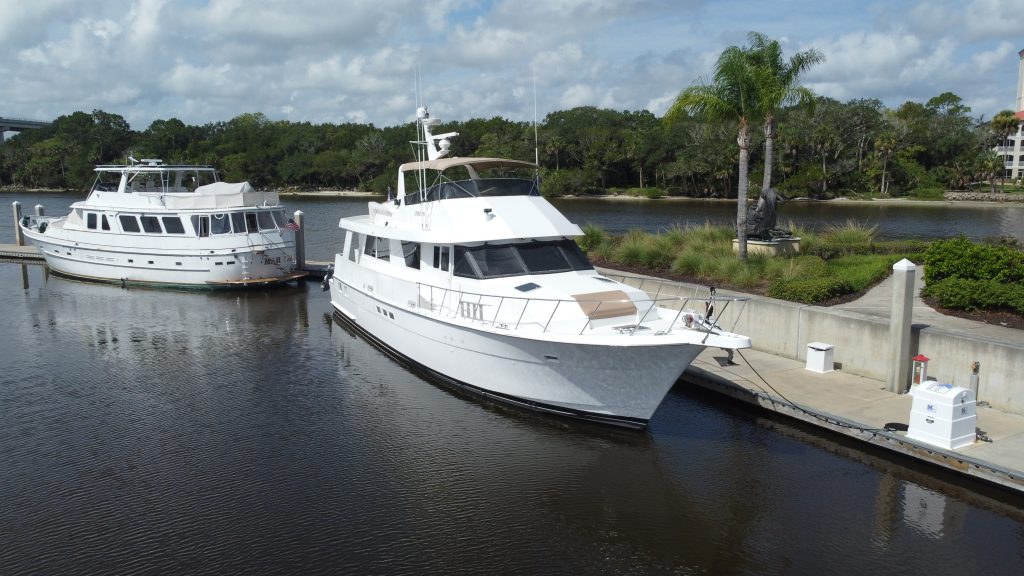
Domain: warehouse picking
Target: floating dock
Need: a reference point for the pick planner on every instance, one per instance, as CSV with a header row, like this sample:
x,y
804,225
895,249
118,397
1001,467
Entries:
x,y
860,408
20,253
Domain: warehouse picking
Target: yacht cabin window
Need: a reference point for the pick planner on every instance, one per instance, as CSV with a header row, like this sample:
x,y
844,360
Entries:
x,y
280,219
151,224
129,223
378,247
411,253
201,224
173,225
536,257
104,224
251,223
238,222
90,220
220,224
266,220
442,255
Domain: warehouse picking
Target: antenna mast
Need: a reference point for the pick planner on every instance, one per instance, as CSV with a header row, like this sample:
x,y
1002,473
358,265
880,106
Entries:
x,y
536,141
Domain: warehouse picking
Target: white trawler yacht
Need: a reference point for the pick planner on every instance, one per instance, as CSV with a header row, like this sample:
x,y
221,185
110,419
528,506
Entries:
x,y
479,282
171,225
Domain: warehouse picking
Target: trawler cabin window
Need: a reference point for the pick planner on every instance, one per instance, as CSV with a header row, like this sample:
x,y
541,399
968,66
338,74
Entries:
x,y
280,218
442,254
201,224
411,252
238,222
173,225
536,257
104,224
266,220
90,220
378,247
250,221
129,223
220,224
151,224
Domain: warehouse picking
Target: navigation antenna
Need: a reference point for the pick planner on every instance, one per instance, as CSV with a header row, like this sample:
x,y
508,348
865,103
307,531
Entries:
x,y
536,141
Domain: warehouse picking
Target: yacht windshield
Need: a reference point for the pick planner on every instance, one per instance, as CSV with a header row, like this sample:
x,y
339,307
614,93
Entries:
x,y
481,187
537,257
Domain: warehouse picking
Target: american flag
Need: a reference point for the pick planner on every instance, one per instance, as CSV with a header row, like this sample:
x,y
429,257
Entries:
x,y
293,225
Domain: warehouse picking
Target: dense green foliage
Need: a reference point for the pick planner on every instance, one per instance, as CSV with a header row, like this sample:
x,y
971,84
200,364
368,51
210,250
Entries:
x,y
704,254
857,147
964,294
972,276
960,258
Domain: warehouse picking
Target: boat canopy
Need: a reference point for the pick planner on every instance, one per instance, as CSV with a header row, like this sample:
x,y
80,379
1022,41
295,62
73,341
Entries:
x,y
442,164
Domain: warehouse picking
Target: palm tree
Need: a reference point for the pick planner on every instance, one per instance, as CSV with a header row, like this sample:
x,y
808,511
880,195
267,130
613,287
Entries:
x,y
1004,124
731,95
779,87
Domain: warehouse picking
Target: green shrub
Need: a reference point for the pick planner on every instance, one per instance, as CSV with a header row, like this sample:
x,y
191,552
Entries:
x,y
631,248
862,271
810,290
960,258
852,232
593,236
971,295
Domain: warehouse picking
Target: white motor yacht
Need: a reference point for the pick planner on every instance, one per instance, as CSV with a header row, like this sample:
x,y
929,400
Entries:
x,y
169,225
476,280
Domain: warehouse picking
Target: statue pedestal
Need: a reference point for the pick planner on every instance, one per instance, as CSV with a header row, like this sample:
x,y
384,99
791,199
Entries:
x,y
780,247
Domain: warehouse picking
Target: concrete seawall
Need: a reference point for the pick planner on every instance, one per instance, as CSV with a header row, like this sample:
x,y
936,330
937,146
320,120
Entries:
x,y
861,340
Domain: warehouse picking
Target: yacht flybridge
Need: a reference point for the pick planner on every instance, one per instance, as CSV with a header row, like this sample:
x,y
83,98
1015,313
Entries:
x,y
172,225
477,280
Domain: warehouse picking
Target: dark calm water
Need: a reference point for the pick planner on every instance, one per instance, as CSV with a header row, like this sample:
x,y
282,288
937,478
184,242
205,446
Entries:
x,y
173,432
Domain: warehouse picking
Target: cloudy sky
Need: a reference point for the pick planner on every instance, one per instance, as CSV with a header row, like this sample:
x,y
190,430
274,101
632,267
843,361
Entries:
x,y
357,60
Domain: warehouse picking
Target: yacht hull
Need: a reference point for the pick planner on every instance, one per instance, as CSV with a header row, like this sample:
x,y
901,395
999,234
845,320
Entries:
x,y
617,384
226,267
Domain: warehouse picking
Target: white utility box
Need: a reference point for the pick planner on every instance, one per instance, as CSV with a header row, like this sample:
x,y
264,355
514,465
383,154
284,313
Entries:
x,y
943,415
819,357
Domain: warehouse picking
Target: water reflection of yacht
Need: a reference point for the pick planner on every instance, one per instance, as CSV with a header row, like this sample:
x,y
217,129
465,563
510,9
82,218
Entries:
x,y
174,225
478,281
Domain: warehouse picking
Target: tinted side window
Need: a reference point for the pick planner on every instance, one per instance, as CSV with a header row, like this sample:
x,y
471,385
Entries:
x,y
220,224
90,220
238,222
265,219
411,251
151,224
128,223
173,225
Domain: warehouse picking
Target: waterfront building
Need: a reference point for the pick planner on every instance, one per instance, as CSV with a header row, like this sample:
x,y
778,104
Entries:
x,y
1012,149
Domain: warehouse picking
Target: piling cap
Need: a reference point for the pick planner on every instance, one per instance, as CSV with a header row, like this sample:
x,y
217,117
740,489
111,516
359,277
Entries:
x,y
920,358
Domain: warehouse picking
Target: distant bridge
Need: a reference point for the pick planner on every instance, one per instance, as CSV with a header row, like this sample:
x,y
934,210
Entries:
x,y
18,124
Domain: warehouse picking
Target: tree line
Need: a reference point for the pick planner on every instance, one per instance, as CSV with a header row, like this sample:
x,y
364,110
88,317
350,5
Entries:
x,y
821,148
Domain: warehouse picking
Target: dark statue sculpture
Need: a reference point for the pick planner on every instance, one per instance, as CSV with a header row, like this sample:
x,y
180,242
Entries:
x,y
761,220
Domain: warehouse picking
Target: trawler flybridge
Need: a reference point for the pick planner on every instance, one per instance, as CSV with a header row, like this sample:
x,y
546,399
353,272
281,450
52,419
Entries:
x,y
172,225
477,280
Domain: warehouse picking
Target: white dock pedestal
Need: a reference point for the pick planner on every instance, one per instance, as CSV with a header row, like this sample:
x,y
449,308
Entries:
x,y
819,357
943,415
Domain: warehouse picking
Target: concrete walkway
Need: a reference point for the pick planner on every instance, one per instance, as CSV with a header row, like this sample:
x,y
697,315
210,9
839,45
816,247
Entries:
x,y
861,407
878,301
